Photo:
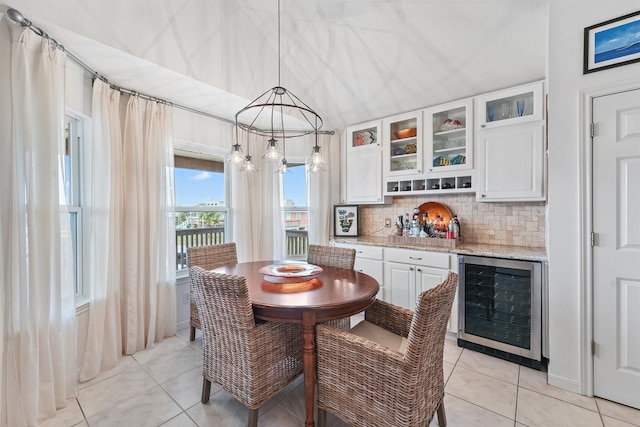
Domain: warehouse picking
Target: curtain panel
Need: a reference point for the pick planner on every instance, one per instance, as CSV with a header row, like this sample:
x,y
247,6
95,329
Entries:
x,y
130,202
37,296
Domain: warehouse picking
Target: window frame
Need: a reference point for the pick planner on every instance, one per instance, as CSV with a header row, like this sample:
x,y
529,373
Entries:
x,y
199,158
78,129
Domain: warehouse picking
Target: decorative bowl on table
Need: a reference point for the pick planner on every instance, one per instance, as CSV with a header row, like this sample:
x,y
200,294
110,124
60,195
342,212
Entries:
x,y
406,133
291,270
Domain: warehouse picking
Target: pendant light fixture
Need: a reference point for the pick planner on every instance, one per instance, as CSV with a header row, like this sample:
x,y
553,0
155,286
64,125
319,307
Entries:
x,y
277,114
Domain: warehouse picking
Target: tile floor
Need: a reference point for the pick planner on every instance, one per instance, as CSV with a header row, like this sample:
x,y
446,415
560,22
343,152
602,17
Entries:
x,y
161,387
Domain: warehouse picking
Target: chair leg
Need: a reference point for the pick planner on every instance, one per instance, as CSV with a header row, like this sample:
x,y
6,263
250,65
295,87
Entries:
x,y
253,418
442,417
322,417
206,390
192,334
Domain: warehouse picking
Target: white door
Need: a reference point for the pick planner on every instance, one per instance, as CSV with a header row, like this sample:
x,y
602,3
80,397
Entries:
x,y
616,254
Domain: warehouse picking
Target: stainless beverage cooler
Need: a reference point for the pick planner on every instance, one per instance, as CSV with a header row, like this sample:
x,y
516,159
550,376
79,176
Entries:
x,y
500,308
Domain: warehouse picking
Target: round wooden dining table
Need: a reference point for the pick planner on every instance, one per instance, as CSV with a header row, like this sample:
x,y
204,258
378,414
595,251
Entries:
x,y
332,293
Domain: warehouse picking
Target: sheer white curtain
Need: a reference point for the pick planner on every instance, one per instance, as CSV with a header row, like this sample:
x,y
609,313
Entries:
x,y
38,357
256,197
324,191
132,230
103,206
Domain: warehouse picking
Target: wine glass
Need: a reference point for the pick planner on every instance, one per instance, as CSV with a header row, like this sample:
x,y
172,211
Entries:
x,y
520,106
490,113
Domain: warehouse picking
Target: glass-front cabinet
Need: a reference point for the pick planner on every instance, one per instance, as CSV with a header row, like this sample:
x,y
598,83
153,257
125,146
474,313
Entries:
x,y
449,137
519,104
362,166
402,146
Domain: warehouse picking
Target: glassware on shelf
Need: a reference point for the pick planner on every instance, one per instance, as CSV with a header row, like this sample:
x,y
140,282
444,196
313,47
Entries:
x,y
520,106
490,113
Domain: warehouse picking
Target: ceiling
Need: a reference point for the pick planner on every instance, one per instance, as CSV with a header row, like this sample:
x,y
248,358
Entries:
x,y
350,60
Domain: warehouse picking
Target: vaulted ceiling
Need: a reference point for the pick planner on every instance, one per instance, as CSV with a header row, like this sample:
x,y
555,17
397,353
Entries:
x,y
351,60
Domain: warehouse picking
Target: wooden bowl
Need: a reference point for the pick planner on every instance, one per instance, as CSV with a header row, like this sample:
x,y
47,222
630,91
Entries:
x,y
406,133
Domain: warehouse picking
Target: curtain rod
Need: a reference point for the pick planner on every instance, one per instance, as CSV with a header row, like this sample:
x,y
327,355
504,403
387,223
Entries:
x,y
19,18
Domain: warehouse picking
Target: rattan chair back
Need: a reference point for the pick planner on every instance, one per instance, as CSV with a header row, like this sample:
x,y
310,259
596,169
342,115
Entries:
x,y
251,361
368,384
207,257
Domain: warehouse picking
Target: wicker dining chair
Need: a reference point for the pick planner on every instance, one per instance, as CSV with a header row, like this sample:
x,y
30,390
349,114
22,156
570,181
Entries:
x,y
333,256
388,370
251,361
207,257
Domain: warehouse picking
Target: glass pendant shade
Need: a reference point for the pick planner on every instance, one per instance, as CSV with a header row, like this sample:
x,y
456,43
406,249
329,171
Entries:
x,y
273,153
236,155
316,162
247,165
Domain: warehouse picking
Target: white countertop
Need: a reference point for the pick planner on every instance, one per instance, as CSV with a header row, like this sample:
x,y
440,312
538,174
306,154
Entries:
x,y
477,249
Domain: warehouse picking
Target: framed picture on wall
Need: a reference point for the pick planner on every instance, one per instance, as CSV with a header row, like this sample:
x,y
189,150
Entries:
x,y
345,220
612,43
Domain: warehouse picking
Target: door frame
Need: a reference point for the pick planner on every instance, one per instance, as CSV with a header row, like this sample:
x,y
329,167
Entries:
x,y
585,202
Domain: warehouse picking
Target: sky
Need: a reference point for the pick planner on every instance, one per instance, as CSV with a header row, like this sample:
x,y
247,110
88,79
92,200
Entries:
x,y
194,187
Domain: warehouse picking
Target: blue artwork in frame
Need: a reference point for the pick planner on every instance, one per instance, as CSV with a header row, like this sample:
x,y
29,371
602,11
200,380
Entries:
x,y
612,43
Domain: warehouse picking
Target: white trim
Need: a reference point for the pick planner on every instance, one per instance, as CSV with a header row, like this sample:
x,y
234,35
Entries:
x,y
585,172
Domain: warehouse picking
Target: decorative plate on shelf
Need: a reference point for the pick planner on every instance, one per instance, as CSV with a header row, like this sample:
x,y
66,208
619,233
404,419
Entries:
x,y
291,270
434,209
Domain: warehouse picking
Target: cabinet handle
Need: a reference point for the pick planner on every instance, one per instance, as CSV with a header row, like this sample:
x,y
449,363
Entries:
x,y
419,270
482,195
418,258
359,252
483,126
410,268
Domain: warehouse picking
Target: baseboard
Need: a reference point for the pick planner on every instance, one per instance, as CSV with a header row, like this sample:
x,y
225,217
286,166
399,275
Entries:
x,y
563,383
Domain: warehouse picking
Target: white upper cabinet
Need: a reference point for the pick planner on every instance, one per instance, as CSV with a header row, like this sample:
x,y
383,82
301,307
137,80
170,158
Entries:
x,y
510,143
362,171
449,137
515,105
402,148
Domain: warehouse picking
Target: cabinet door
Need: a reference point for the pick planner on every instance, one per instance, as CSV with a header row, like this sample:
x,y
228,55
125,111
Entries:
x,y
449,137
373,268
511,106
364,177
511,163
402,148
400,284
428,278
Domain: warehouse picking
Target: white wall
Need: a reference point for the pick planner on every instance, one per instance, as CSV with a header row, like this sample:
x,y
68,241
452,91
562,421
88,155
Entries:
x,y
568,18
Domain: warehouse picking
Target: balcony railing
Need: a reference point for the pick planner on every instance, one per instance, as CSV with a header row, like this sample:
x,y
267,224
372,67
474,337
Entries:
x,y
297,242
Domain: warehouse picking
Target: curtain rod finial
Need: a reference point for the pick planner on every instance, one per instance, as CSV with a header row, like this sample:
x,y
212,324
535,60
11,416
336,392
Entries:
x,y
16,16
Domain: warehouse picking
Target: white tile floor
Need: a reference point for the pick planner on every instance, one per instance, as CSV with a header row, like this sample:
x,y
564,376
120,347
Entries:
x,y
161,387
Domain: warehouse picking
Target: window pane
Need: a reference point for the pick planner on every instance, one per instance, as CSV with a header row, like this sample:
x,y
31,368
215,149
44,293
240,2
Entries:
x,y
295,214
201,217
197,228
295,186
198,187
73,219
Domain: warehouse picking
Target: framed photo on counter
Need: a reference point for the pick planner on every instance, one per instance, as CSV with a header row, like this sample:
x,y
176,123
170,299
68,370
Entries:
x,y
612,43
345,220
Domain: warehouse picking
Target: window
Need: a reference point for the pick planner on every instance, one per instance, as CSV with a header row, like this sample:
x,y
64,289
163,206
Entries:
x,y
201,212
295,211
73,143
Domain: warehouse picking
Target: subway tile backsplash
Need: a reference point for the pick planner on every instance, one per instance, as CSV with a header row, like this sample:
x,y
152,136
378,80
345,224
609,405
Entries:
x,y
505,223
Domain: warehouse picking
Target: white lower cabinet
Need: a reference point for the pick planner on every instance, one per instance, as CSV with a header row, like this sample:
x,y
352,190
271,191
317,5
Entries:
x,y
369,260
405,273
409,272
